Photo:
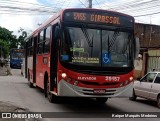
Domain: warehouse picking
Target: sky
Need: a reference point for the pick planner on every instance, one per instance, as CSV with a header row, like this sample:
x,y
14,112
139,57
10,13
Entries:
x,y
16,14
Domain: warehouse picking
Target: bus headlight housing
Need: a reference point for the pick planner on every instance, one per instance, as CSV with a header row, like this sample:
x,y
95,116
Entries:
x,y
131,78
64,75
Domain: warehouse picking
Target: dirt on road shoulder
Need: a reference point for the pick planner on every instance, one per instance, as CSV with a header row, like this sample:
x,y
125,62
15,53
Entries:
x,y
7,107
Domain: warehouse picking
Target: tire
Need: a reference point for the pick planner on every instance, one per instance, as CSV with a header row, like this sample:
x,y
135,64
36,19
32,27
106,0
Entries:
x,y
45,86
133,98
101,100
29,82
51,97
158,101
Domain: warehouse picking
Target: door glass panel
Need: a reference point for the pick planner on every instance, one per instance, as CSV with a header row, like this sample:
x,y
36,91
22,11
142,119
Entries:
x,y
157,80
149,78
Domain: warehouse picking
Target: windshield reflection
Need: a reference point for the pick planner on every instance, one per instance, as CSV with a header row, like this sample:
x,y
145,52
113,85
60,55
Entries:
x,y
96,47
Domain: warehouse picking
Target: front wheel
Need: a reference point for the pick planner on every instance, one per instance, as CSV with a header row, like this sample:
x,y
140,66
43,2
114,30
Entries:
x,y
101,100
51,97
29,81
158,101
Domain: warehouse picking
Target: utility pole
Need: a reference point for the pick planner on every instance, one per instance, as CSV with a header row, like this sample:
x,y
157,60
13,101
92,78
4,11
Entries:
x,y
90,3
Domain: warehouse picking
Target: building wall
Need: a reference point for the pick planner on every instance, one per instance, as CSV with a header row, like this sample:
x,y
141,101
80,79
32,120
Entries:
x,y
148,34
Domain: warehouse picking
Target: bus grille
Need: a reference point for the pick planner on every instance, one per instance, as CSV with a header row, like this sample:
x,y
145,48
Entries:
x,y
97,94
98,84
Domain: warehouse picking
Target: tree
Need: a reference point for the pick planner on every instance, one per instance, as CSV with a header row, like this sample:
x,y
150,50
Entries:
x,y
4,48
21,39
7,40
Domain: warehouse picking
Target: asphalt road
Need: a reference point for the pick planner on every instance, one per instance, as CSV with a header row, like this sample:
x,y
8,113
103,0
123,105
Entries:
x,y
15,90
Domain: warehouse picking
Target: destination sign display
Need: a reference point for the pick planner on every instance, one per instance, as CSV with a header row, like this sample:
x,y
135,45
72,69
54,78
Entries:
x,y
99,18
18,50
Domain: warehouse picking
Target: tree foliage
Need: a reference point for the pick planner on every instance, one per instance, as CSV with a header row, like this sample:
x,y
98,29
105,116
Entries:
x,y
8,40
21,39
4,48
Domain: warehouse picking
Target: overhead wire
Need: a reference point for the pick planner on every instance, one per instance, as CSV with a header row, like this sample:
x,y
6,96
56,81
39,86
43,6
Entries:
x,y
146,7
15,2
97,3
82,3
17,5
148,14
135,8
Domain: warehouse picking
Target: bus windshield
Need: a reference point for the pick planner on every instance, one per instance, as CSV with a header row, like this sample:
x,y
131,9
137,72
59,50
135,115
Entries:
x,y
100,47
17,55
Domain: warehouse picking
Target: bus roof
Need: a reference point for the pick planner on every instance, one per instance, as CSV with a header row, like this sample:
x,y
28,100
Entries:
x,y
61,13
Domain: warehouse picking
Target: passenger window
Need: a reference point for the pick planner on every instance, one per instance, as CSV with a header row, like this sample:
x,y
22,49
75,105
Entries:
x,y
30,47
47,40
41,36
40,48
157,80
40,42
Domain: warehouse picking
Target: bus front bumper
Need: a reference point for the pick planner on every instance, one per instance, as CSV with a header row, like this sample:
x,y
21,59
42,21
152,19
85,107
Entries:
x,y
69,90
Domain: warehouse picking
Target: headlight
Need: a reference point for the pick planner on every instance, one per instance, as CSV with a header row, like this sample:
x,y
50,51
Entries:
x,y
131,78
64,75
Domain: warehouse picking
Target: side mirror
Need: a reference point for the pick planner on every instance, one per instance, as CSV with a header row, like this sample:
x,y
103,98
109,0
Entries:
x,y
137,47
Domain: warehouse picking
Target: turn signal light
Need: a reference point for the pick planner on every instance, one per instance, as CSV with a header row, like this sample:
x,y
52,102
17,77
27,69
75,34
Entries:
x,y
75,83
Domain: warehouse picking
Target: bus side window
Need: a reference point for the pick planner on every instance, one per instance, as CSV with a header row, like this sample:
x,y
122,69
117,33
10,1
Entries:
x,y
56,31
30,47
40,42
47,40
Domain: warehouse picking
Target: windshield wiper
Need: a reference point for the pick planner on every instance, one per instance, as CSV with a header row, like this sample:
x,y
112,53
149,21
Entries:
x,y
108,45
114,37
92,45
128,44
84,30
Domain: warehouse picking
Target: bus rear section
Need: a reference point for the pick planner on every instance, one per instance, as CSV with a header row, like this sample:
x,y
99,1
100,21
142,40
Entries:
x,y
91,55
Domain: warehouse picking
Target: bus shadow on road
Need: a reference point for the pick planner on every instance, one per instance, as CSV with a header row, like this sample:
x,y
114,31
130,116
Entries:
x,y
83,104
87,104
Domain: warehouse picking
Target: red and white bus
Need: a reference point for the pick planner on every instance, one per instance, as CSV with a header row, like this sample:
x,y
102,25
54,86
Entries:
x,y
82,53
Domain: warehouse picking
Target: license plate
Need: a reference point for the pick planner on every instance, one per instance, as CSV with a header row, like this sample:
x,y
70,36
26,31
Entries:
x,y
99,91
